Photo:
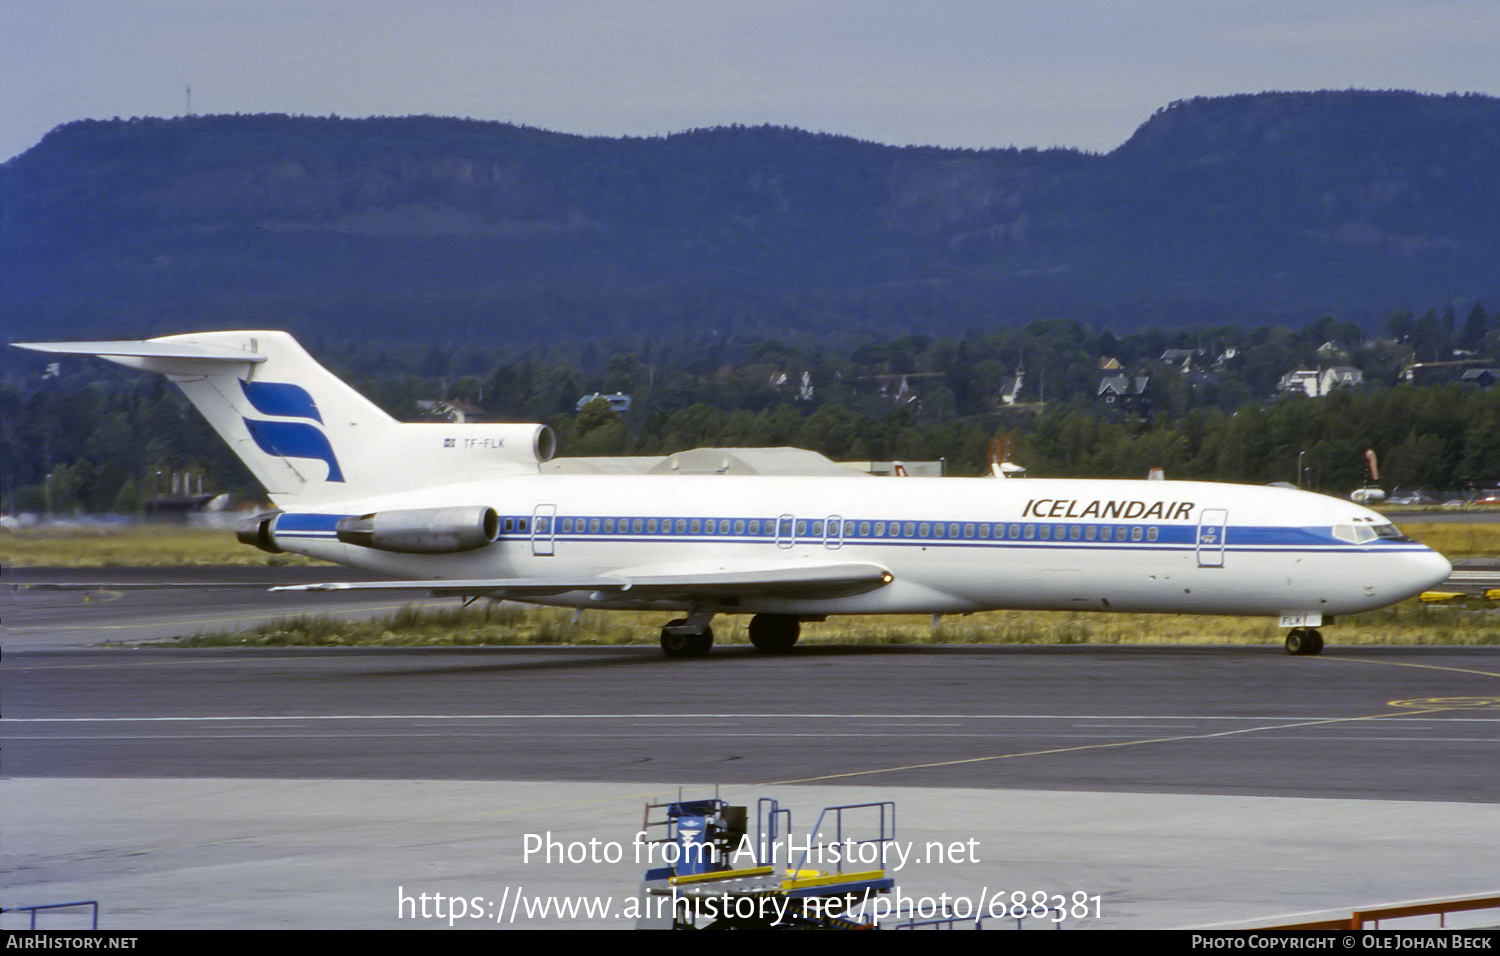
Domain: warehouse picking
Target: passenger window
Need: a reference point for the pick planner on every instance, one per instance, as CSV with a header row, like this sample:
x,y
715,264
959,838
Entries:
x,y
1075,532
696,526
924,529
1151,533
1030,531
864,529
739,527
510,524
910,529
937,531
609,526
1046,532
1090,533
1135,533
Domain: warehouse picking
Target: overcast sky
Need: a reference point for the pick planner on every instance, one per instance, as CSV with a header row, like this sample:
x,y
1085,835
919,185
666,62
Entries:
x,y
1080,73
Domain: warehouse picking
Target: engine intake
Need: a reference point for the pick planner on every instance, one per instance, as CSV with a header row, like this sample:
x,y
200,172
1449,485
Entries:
x,y
422,530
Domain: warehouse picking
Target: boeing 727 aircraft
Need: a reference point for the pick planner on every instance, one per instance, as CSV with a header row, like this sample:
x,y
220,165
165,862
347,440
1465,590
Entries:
x,y
466,510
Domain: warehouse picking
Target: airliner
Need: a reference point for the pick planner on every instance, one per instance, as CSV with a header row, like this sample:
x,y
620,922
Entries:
x,y
470,510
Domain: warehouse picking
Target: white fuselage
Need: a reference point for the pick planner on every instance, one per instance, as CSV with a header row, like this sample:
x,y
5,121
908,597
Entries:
x,y
951,545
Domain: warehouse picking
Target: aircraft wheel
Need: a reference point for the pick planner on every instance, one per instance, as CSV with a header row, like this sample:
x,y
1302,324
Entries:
x,y
686,645
774,633
1304,640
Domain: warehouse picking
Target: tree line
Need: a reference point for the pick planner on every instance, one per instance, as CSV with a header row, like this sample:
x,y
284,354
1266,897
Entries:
x,y
89,437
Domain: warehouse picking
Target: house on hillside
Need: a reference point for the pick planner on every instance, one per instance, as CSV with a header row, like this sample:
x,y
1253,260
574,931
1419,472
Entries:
x,y
619,401
1125,392
454,410
1443,373
1316,383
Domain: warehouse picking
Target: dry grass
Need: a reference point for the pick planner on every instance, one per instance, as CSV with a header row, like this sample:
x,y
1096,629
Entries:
x,y
507,624
501,624
1456,539
133,545
165,545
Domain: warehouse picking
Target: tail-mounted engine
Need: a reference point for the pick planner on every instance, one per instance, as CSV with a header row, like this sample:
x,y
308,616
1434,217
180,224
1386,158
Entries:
x,y
259,532
422,530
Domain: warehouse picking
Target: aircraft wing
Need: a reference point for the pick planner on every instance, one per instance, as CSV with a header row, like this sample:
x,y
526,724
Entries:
x,y
650,584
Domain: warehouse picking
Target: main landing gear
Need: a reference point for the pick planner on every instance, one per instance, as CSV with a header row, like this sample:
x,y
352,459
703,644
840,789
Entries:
x,y
1304,640
774,633
686,638
692,637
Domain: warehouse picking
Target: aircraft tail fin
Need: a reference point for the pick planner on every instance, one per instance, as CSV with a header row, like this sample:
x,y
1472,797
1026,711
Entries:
x,y
304,433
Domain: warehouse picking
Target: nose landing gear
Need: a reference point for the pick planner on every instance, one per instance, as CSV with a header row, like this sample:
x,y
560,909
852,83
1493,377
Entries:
x,y
1304,640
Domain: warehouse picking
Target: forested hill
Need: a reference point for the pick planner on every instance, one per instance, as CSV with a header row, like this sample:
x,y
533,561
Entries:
x,y
1240,209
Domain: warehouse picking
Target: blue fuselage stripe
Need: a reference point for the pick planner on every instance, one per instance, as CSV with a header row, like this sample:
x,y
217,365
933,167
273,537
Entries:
x,y
996,534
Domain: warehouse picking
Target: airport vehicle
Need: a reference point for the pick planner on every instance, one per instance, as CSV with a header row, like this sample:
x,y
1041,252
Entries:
x,y
709,867
466,510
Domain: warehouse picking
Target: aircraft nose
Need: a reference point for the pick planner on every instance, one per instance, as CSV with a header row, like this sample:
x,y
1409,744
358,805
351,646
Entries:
x,y
1429,569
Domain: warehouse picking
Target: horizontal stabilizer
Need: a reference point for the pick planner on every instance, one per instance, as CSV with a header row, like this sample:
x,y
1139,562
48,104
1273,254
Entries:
x,y
149,350
139,586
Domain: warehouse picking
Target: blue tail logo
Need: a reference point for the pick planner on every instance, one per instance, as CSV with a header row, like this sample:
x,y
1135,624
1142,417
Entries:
x,y
289,439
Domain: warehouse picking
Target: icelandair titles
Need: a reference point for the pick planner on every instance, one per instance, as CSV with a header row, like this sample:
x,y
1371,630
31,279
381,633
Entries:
x,y
1114,510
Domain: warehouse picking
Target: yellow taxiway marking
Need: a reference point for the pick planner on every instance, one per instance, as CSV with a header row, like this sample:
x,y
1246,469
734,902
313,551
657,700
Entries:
x,y
1143,742
1428,667
1450,703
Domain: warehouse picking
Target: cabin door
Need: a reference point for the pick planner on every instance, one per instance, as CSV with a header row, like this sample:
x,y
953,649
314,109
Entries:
x,y
543,530
784,535
1212,526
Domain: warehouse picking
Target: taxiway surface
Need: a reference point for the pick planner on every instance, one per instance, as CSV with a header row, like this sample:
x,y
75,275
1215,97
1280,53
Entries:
x,y
1184,787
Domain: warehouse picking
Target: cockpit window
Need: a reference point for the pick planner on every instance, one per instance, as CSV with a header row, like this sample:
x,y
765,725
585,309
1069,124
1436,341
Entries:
x,y
1390,532
1363,532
